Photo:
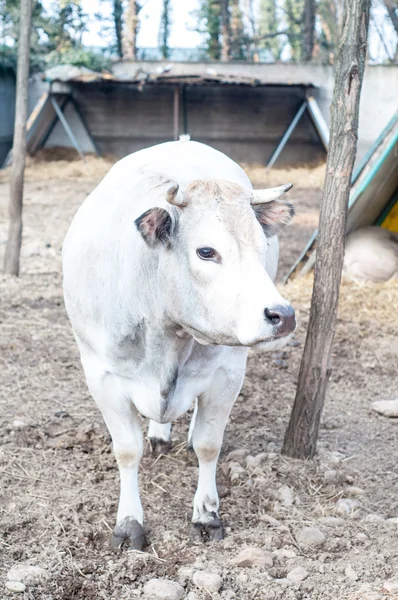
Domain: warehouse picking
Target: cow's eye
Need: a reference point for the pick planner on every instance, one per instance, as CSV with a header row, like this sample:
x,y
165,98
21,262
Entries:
x,y
206,253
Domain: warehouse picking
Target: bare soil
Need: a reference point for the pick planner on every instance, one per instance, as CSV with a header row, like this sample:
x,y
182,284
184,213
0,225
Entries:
x,y
59,482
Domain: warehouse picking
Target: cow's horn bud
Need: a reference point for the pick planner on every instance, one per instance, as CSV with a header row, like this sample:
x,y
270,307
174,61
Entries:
x,y
174,196
263,196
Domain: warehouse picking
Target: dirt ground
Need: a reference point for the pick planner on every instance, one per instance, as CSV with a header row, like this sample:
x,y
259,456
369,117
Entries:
x,y
58,478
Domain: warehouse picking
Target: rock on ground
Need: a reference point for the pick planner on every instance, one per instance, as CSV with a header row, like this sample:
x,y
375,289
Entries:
x,y
26,573
350,573
391,586
251,556
207,581
163,589
15,586
297,575
286,495
345,506
388,408
310,537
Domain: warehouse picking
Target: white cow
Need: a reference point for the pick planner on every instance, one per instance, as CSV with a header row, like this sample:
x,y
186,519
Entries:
x,y
168,278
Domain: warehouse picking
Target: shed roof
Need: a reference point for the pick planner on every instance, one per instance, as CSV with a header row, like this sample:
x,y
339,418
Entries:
x,y
164,76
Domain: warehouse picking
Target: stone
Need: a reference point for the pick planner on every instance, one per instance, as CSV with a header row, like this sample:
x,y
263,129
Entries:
x,y
211,582
285,553
193,596
163,589
15,586
286,495
374,518
387,408
310,537
236,471
28,574
253,557
185,574
346,506
331,521
237,455
297,575
350,573
255,461
330,476
391,585
353,491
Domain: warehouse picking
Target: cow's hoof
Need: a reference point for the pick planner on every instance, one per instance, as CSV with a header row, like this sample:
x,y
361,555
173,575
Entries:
x,y
212,531
159,446
128,534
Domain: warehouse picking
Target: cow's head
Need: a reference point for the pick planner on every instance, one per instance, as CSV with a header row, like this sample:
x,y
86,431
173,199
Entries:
x,y
215,245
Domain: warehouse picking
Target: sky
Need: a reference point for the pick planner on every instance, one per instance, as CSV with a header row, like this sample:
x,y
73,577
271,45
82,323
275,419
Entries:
x,y
184,22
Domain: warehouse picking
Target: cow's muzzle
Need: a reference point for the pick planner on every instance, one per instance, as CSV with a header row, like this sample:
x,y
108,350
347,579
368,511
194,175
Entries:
x,y
282,319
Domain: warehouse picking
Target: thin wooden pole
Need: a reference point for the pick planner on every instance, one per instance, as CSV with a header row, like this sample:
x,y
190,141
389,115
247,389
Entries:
x,y
176,112
13,248
302,432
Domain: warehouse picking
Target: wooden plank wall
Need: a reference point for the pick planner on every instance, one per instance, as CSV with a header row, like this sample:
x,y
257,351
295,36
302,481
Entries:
x,y
245,123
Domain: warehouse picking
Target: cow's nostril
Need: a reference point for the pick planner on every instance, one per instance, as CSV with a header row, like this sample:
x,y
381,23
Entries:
x,y
272,317
282,318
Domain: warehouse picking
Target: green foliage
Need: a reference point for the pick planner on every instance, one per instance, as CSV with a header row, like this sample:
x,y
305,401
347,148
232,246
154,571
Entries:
x,y
268,27
56,38
164,32
79,57
238,41
209,19
294,10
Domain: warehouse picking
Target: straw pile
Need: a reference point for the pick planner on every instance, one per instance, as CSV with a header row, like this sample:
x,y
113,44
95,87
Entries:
x,y
65,163
304,176
62,163
359,302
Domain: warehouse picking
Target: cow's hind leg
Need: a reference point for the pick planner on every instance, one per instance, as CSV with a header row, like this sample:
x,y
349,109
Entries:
x,y
123,424
159,437
212,414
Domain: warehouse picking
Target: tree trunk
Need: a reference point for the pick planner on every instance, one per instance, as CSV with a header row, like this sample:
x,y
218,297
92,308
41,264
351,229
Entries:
x,y
13,248
391,9
131,30
309,29
165,30
302,432
118,21
225,31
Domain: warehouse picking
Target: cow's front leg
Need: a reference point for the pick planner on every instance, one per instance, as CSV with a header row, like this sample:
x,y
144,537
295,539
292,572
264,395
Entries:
x,y
213,409
159,437
123,424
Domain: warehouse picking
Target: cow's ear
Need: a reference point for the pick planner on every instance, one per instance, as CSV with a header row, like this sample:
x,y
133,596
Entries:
x,y
272,216
155,226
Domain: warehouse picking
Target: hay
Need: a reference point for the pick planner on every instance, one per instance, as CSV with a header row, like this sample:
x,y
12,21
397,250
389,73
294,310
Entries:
x,y
359,302
63,163
303,176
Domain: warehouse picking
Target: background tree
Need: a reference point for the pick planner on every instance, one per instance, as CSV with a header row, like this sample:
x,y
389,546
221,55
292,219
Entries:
x,y
209,23
118,22
225,31
269,24
131,27
164,31
13,247
294,11
237,33
309,29
302,432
